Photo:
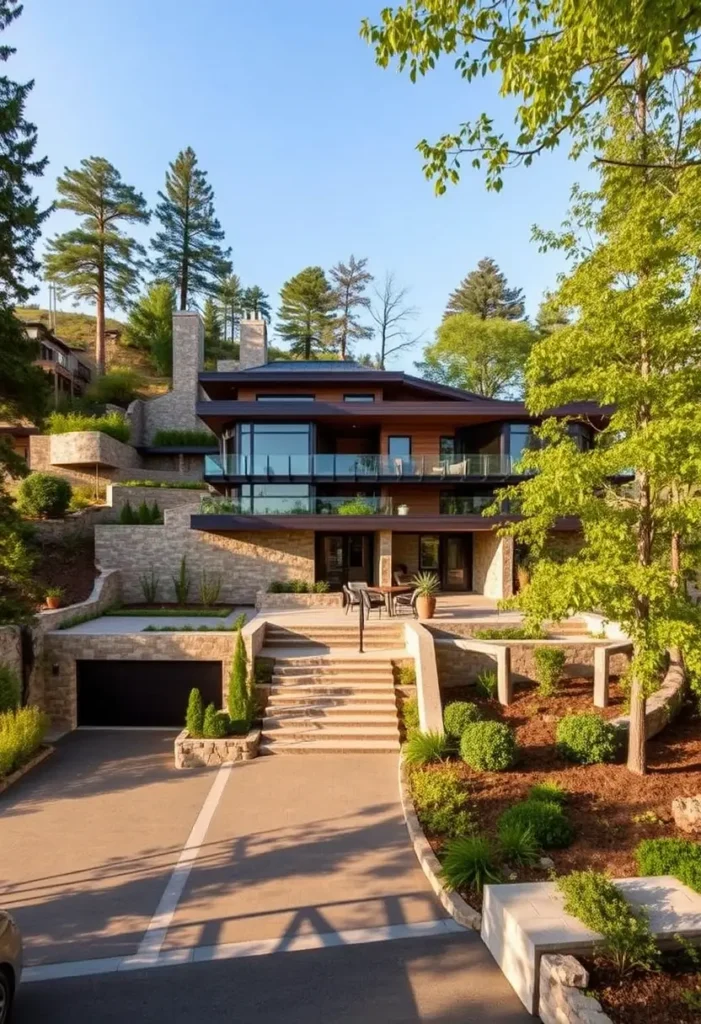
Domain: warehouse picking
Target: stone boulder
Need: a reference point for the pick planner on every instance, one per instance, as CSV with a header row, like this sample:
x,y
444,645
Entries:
x,y
686,812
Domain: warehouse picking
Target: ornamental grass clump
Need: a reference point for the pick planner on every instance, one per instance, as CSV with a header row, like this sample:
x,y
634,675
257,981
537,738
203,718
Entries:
x,y
549,663
487,684
426,748
586,739
547,820
488,747
518,844
469,863
21,733
441,802
457,716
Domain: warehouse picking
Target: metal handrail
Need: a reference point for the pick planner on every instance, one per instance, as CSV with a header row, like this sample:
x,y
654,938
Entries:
x,y
360,467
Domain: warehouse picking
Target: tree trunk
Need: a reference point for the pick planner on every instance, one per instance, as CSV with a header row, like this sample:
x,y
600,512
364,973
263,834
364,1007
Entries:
x,y
636,734
100,324
183,286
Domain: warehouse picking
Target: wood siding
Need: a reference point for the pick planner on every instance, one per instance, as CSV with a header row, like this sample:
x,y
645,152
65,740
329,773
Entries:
x,y
320,394
424,441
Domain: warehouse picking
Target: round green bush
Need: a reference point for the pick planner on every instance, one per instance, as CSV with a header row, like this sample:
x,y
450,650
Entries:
x,y
586,739
488,746
550,825
44,496
458,715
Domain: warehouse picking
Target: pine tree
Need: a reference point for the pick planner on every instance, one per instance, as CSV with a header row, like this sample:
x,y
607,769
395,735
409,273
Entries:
x,y
239,702
230,296
305,317
194,717
485,293
97,261
256,302
211,317
150,325
187,248
349,282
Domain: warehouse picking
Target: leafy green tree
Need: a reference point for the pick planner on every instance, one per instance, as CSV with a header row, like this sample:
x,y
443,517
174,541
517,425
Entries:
x,y
97,261
230,296
305,317
349,281
212,321
187,249
487,357
256,301
485,293
551,315
150,325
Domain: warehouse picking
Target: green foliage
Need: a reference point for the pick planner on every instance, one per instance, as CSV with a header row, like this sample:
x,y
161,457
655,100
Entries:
x,y
509,633
485,294
219,612
595,900
586,739
10,689
549,663
255,301
486,357
150,325
406,674
84,497
43,496
321,587
188,485
305,318
148,515
79,619
296,586
469,863
112,424
239,622
410,715
21,734
119,386
518,843
149,582
441,802
240,698
127,515
263,671
188,253
546,818
488,747
550,791
184,439
487,684
357,506
181,582
213,331
425,748
215,724
210,588
194,717
349,281
426,584
457,716
678,857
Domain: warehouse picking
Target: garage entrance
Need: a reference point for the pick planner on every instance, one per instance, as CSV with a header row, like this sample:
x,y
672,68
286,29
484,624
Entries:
x,y
143,693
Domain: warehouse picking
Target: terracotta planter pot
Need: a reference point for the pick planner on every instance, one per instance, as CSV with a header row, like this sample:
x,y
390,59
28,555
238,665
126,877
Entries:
x,y
53,602
426,607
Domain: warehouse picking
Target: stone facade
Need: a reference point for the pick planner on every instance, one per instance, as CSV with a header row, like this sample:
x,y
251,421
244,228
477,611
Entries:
x,y
247,562
266,602
253,349
561,1000
11,649
91,448
383,558
492,564
202,753
165,497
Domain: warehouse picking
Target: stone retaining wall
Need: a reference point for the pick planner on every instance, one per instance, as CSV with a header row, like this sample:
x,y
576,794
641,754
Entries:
x,y
266,602
457,667
562,1001
663,705
106,592
77,524
165,497
11,649
202,753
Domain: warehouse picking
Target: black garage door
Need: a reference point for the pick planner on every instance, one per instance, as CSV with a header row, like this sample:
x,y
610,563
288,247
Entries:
x,y
144,693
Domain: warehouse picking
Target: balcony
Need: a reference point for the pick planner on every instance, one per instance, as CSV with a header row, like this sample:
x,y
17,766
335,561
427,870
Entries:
x,y
357,468
318,506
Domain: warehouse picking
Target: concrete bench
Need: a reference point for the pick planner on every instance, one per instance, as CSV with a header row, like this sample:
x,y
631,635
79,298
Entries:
x,y
523,921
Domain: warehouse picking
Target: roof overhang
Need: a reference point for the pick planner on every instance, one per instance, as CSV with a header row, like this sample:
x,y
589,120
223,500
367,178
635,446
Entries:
x,y
358,524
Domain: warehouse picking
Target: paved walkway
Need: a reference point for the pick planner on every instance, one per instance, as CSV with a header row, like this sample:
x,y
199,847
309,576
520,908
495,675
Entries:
x,y
108,624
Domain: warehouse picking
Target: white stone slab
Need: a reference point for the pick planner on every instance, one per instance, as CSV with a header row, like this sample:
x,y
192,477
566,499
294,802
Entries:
x,y
521,922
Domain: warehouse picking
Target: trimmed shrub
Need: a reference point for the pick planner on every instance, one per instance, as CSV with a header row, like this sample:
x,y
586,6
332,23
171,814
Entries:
x,y
215,725
586,739
593,898
194,716
551,827
518,843
678,857
441,802
487,684
21,735
509,633
43,496
410,714
112,424
488,747
127,515
184,439
10,689
240,698
406,675
551,791
118,386
425,748
458,715
549,663
469,863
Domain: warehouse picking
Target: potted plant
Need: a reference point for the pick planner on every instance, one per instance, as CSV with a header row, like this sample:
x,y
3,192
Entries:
x,y
426,586
403,510
53,597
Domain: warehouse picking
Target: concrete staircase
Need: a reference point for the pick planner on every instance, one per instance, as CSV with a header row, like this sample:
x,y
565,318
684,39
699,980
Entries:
x,y
377,636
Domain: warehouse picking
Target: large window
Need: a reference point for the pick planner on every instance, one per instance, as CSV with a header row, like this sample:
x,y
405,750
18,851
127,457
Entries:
x,y
272,448
447,448
399,447
519,439
358,398
275,499
429,552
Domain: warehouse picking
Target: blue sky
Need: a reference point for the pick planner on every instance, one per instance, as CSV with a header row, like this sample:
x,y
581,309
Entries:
x,y
309,145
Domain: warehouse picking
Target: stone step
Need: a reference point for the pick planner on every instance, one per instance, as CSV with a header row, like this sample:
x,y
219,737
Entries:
x,y
343,713
334,675
330,730
377,643
329,746
359,663
306,698
332,687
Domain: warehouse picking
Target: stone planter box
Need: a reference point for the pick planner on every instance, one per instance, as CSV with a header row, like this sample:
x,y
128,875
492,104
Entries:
x,y
92,448
267,602
201,753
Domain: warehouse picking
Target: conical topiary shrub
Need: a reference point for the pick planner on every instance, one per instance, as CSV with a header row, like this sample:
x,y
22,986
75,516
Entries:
x,y
214,727
240,703
194,718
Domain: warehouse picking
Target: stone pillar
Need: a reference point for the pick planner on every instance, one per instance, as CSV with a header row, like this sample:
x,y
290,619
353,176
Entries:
x,y
253,344
601,677
188,353
505,688
383,558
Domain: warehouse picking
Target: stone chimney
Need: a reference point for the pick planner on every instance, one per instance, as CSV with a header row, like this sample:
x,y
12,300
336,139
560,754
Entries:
x,y
188,352
254,344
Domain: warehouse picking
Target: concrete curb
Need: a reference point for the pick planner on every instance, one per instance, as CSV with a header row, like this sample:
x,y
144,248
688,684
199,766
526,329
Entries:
x,y
456,906
16,776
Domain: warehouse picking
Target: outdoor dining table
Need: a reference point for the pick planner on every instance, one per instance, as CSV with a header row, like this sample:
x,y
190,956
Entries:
x,y
389,594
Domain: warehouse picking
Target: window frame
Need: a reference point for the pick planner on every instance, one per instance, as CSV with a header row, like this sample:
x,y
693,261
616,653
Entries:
x,y
359,398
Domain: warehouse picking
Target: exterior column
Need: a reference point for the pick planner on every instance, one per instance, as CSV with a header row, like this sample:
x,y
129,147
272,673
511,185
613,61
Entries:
x,y
383,558
601,677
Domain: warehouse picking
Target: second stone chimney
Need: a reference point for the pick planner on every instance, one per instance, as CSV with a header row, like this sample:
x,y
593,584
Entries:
x,y
253,344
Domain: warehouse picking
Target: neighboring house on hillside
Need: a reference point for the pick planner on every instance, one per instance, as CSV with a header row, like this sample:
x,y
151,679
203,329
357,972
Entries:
x,y
70,370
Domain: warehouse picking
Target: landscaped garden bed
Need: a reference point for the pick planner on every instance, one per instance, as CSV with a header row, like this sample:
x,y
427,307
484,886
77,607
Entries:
x,y
672,993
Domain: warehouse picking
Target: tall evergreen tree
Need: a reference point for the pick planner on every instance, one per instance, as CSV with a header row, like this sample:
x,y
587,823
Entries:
x,y
188,250
256,301
305,317
23,387
349,281
97,261
212,319
150,325
485,293
230,296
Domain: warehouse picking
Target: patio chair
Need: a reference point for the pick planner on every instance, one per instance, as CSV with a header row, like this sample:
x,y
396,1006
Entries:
x,y
400,578
351,599
371,601
407,601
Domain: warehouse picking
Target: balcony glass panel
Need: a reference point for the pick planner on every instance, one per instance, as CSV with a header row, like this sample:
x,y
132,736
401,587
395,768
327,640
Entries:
x,y
267,460
464,505
282,502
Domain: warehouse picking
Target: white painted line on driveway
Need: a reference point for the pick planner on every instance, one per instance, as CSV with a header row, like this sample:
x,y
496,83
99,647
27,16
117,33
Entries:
x,y
236,950
155,934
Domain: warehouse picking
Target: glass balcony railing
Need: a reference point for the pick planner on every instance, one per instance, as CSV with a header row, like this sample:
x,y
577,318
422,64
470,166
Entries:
x,y
470,505
359,467
281,506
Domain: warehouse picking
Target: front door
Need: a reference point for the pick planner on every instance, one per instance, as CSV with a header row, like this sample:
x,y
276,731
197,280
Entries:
x,y
456,550
344,558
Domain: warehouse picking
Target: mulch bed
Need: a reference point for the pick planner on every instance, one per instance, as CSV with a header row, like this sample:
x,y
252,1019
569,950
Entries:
x,y
651,998
69,566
